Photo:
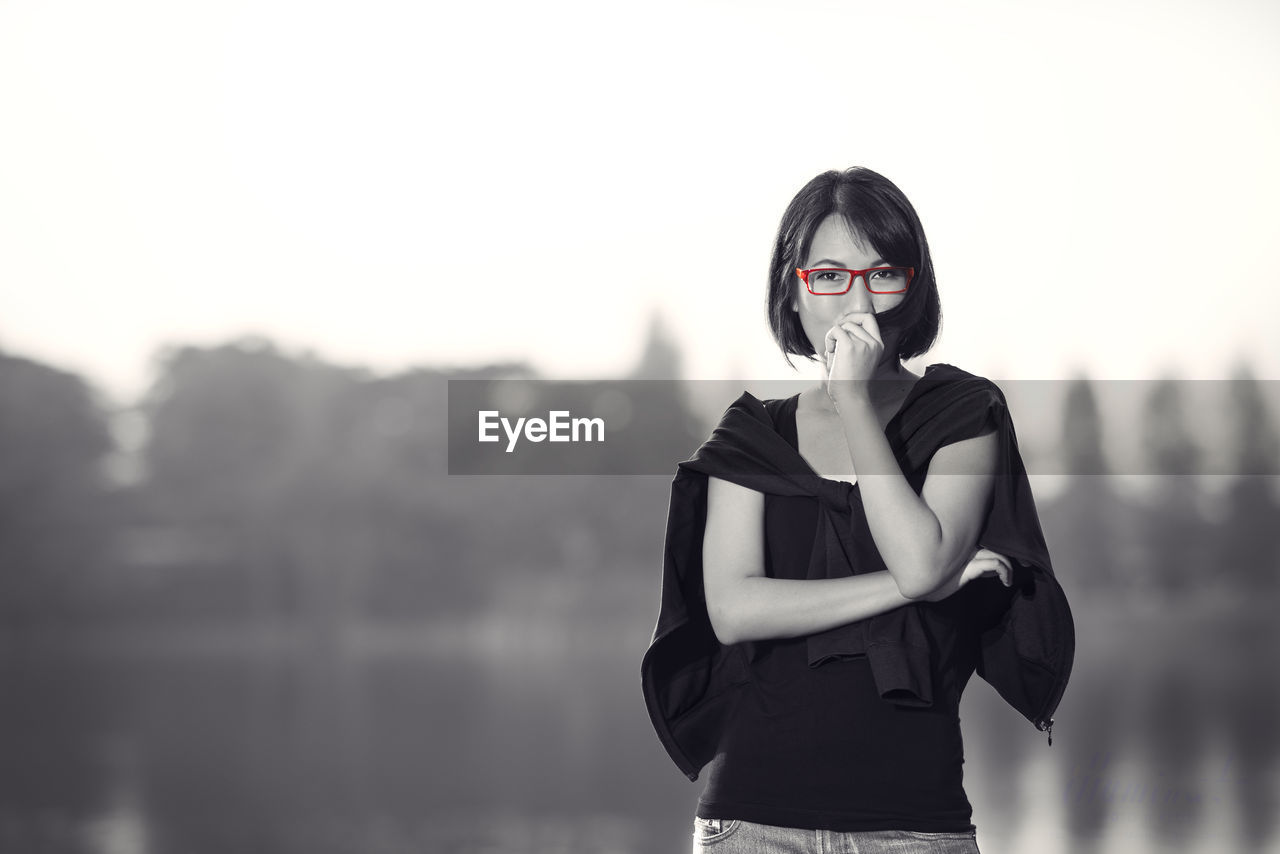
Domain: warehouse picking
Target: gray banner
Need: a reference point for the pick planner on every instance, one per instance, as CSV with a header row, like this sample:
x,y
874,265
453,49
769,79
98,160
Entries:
x,y
1074,427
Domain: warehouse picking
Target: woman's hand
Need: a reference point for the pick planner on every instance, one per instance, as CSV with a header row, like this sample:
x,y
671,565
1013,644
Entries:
x,y
984,563
853,348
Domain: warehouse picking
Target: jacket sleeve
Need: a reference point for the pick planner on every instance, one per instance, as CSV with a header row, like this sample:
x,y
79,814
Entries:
x,y
1028,649
1028,646
689,679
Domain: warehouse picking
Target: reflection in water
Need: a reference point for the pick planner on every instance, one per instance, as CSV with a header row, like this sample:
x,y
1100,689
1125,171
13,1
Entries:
x,y
1099,716
1247,707
121,826
1166,742
1040,826
1172,728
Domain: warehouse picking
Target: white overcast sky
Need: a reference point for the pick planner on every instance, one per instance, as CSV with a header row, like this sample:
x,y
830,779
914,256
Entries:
x,y
393,184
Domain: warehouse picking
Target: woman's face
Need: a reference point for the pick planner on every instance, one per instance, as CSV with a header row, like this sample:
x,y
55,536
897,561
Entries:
x,y
835,245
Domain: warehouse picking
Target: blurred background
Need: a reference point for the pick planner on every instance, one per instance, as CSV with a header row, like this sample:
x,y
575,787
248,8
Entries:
x,y
243,248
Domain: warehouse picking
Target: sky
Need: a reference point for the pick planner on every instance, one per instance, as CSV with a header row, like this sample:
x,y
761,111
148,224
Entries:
x,y
393,184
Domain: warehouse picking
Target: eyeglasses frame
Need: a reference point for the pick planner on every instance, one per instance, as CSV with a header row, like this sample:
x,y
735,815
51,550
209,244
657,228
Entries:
x,y
866,282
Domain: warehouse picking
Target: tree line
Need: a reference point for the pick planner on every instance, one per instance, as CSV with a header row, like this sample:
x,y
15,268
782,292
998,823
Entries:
x,y
253,485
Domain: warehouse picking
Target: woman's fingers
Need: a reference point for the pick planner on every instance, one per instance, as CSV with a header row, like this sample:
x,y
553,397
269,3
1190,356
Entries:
x,y
832,342
850,351
988,566
867,321
857,330
850,330
863,321
1005,564
1005,572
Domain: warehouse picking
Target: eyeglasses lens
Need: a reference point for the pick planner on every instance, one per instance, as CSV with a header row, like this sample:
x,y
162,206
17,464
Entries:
x,y
829,281
883,280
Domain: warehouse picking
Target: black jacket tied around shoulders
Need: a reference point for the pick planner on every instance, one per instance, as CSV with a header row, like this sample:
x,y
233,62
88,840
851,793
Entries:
x,y
691,681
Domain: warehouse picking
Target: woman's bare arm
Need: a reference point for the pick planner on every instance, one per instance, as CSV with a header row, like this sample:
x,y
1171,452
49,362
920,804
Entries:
x,y
924,539
744,604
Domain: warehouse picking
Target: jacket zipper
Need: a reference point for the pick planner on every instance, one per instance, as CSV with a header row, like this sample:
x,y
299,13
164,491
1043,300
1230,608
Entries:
x,y
1045,724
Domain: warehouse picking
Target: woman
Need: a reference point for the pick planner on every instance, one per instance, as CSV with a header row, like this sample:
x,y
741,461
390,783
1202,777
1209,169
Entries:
x,y
812,656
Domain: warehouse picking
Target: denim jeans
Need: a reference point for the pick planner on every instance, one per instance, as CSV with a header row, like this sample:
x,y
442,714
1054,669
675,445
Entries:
x,y
734,836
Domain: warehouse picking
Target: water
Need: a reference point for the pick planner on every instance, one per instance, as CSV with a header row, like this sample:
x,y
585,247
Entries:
x,y
537,741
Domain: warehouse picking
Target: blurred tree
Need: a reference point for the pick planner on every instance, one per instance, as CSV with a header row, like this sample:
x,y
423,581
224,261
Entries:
x,y
1086,519
248,445
442,544
231,424
662,414
53,512
331,489
1168,441
290,492
660,357
1175,532
293,493
1082,431
1250,540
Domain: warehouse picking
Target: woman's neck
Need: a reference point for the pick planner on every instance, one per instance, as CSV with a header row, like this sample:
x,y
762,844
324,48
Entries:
x,y
888,371
887,384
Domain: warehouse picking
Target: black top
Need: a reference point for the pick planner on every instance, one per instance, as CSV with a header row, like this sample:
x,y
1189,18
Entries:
x,y
817,746
693,685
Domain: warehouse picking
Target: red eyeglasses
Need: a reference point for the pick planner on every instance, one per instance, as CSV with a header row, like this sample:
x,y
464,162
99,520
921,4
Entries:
x,y
833,281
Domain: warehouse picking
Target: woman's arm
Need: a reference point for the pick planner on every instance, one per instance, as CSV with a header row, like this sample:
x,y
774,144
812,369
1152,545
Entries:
x,y
744,604
925,540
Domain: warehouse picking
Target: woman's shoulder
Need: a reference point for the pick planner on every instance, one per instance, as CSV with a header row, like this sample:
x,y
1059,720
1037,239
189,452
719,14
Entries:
x,y
773,406
954,404
963,381
946,370
746,415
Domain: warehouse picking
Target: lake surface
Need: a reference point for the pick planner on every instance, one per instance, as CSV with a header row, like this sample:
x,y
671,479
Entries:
x,y
536,740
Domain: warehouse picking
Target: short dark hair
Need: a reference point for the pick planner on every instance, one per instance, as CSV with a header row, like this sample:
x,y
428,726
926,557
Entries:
x,y
873,207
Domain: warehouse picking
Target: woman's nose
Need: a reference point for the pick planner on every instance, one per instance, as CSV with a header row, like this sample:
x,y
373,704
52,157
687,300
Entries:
x,y
857,298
